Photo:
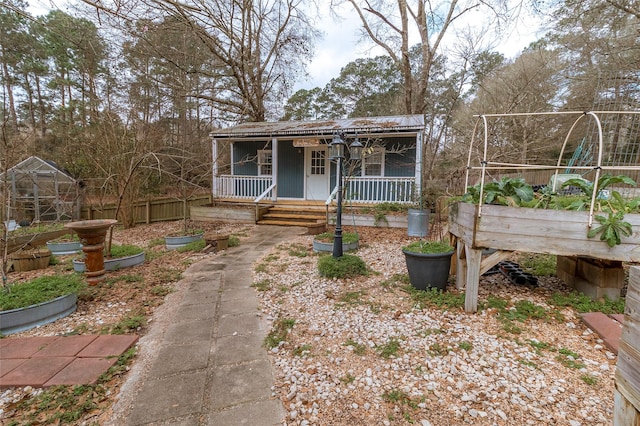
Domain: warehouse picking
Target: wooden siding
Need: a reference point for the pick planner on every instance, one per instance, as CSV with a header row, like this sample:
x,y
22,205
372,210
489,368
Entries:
x,y
247,150
150,211
290,170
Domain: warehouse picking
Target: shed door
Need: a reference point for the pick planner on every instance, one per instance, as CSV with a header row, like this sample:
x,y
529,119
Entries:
x,y
317,174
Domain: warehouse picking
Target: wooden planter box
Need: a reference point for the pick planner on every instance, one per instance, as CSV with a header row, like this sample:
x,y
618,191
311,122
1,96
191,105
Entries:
x,y
235,214
558,232
28,260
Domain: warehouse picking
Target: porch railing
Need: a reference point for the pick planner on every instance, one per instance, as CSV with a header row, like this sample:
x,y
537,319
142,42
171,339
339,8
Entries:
x,y
359,189
243,187
380,189
377,190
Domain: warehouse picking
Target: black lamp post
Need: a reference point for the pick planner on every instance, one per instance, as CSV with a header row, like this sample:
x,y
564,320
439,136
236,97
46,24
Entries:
x,y
336,152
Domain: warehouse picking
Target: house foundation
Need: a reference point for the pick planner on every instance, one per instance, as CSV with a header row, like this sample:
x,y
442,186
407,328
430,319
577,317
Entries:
x,y
596,278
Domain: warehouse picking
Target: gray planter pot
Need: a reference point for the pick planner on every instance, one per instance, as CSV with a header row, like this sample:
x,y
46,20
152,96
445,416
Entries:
x,y
66,247
428,270
417,223
321,246
172,243
17,320
113,264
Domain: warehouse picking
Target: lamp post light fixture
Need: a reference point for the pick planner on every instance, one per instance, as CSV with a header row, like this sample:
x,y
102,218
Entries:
x,y
336,152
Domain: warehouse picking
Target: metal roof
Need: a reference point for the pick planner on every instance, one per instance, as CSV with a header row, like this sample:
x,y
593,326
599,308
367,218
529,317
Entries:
x,y
366,125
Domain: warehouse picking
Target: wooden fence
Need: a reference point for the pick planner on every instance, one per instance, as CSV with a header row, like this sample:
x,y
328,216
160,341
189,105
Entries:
x,y
150,211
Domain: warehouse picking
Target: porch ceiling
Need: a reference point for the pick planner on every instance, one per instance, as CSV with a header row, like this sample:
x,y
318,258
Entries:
x,y
391,124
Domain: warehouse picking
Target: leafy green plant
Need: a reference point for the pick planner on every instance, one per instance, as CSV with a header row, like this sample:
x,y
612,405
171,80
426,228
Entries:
x,y
613,207
234,241
507,191
612,228
345,266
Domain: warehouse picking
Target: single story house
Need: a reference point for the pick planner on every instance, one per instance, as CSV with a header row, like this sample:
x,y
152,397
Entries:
x,y
289,160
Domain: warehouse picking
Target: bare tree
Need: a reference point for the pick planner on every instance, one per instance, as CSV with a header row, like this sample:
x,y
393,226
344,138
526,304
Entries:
x,y
390,24
260,46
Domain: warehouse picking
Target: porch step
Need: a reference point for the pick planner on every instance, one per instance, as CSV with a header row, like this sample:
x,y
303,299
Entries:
x,y
294,217
312,217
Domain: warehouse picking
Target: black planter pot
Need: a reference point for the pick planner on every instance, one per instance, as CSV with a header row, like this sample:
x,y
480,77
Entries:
x,y
428,270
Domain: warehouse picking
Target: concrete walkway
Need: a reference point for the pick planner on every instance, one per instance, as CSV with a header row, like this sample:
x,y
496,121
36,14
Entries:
x,y
210,367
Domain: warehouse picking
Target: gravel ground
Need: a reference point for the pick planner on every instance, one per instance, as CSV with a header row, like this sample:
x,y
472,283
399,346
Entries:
x,y
361,352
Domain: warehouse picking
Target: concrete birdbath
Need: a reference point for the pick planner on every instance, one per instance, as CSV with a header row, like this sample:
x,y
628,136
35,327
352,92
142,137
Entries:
x,y
92,234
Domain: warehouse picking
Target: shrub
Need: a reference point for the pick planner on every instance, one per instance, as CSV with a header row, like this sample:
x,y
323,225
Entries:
x,y
345,266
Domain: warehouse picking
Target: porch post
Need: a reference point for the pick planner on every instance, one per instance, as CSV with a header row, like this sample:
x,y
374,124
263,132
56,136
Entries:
x,y
214,177
418,185
274,168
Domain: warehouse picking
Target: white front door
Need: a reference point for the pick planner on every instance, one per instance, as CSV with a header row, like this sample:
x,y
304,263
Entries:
x,y
317,174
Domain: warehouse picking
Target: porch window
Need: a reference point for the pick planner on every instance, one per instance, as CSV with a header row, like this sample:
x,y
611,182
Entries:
x,y
373,162
265,162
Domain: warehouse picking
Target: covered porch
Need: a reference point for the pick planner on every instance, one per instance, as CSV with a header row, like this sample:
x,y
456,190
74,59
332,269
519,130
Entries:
x,y
289,161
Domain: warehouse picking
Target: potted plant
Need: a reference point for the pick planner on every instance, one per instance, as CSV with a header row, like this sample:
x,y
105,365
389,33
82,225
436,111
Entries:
x,y
428,263
324,242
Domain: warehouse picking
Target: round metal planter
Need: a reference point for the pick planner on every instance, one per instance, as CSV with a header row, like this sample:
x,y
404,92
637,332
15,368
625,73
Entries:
x,y
21,319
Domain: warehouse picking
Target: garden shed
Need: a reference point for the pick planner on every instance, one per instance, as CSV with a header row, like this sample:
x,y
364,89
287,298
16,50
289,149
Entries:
x,y
40,191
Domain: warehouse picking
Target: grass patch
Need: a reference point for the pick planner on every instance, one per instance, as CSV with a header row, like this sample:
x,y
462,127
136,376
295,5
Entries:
x,y
298,250
583,303
38,290
346,266
124,250
389,349
160,290
543,265
352,298
358,348
131,323
234,241
435,297
396,280
279,332
590,380
262,285
465,346
302,350
347,237
192,246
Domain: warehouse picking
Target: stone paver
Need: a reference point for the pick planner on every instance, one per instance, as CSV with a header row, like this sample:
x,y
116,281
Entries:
x,y
82,371
607,328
